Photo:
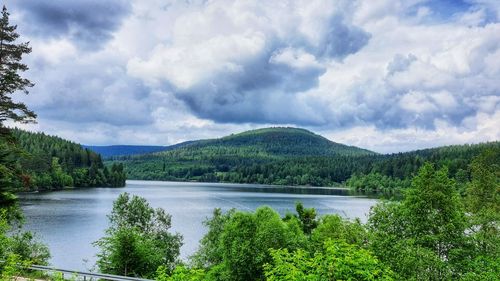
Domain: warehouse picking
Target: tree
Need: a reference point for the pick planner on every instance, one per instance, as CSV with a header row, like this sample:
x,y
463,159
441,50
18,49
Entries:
x,y
307,217
10,82
336,261
138,240
434,211
422,236
237,244
483,205
336,228
8,169
20,244
210,251
10,79
483,202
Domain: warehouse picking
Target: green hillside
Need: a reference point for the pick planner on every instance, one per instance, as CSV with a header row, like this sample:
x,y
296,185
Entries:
x,y
279,142
50,162
394,171
292,156
285,156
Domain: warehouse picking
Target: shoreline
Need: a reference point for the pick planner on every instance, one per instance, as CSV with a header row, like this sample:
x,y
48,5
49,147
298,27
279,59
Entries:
x,y
245,184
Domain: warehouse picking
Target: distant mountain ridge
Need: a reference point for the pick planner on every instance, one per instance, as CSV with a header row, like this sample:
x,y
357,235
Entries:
x,y
124,150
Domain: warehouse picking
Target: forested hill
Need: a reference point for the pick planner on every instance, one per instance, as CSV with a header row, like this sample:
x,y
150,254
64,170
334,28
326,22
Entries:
x,y
50,162
245,157
290,156
280,142
268,141
124,150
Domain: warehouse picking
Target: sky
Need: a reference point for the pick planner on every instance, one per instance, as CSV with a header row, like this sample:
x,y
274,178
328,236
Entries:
x,y
386,75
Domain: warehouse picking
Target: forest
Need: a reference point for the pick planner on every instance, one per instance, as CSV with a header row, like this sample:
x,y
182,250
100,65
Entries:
x,y
49,162
291,156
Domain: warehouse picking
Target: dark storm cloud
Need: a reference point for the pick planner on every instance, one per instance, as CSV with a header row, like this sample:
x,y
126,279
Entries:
x,y
90,23
262,92
342,39
265,90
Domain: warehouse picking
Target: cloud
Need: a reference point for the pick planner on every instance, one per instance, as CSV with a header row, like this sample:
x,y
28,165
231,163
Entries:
x,y
86,88
402,73
90,23
234,63
342,39
478,128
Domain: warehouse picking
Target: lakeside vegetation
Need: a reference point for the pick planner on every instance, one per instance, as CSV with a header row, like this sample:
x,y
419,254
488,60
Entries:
x,y
433,233
50,162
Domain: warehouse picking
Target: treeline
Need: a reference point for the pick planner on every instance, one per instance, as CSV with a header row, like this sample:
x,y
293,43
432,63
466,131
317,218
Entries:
x,y
50,162
433,233
369,172
387,173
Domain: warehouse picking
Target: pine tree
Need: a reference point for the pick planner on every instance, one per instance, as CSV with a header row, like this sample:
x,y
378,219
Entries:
x,y
10,80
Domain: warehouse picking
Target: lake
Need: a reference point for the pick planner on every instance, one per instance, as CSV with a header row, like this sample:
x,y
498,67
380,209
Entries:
x,y
69,221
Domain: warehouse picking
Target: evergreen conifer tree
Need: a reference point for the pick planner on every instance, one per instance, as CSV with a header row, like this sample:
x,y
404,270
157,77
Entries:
x,y
11,81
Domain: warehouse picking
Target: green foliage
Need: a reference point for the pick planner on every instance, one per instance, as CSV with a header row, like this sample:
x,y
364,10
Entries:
x,y
426,236
28,248
336,261
434,211
181,273
483,202
422,236
13,266
9,168
482,268
54,163
306,217
237,244
240,253
4,239
18,248
376,182
333,227
138,240
211,250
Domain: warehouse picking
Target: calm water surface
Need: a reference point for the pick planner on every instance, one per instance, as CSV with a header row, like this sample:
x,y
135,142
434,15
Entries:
x,y
70,220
